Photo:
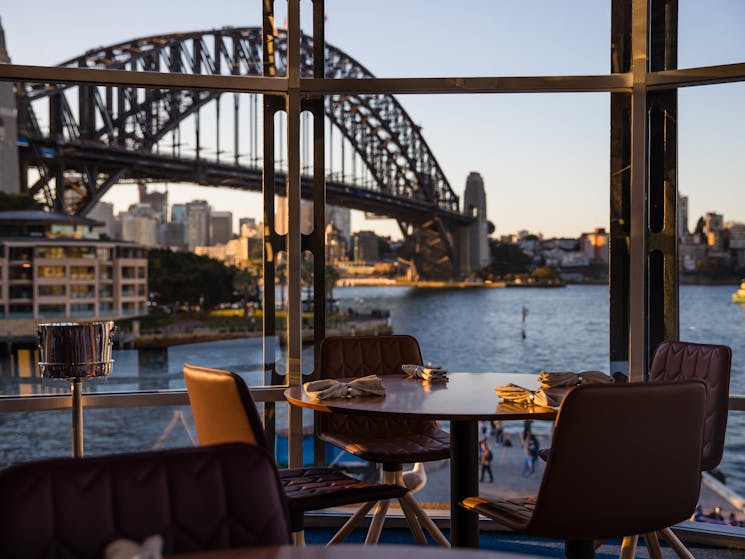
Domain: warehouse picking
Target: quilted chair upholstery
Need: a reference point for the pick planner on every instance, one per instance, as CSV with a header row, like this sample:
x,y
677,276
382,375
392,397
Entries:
x,y
591,489
391,442
675,361
224,411
196,499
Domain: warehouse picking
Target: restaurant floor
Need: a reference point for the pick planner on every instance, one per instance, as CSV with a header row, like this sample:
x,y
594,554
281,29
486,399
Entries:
x,y
501,541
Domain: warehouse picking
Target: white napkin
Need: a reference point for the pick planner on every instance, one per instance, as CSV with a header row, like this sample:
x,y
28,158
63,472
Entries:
x,y
547,397
151,548
323,389
565,378
429,372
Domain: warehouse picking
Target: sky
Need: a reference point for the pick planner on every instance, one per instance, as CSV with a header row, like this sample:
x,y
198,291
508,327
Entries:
x,y
543,157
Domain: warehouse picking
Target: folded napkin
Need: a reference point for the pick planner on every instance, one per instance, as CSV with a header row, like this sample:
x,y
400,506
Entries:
x,y
548,397
323,389
565,378
151,548
430,372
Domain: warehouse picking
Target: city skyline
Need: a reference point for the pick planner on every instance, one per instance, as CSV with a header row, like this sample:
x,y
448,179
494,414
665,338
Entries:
x,y
544,158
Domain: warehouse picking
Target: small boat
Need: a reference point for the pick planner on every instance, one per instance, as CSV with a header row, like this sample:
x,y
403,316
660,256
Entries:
x,y
739,295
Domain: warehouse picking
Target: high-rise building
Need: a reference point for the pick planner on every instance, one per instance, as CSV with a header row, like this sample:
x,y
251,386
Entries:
x,y
174,235
104,212
140,225
157,200
178,212
197,224
474,203
221,227
341,219
9,176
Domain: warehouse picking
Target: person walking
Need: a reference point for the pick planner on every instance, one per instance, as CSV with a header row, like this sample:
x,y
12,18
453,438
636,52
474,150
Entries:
x,y
486,458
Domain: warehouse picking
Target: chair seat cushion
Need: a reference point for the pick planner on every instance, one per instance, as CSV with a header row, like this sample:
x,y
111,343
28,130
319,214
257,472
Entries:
x,y
513,513
394,448
318,488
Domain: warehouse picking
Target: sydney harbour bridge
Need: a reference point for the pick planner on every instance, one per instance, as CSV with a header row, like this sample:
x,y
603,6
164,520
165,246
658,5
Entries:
x,y
77,141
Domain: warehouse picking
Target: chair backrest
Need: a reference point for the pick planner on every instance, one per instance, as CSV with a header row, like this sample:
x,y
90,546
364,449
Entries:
x,y
674,361
195,498
223,408
356,356
624,460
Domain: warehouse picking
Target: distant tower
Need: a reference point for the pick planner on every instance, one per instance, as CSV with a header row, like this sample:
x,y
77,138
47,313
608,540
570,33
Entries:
x,y
474,204
682,216
8,131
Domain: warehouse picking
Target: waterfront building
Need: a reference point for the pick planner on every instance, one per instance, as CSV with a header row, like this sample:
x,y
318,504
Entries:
x,y
52,269
365,246
341,219
713,227
178,213
595,245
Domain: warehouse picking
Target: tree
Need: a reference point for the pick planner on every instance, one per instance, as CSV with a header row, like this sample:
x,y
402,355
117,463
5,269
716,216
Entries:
x,y
332,276
185,278
246,283
506,259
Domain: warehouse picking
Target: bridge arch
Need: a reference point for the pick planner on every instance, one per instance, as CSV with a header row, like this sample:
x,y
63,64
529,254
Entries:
x,y
129,123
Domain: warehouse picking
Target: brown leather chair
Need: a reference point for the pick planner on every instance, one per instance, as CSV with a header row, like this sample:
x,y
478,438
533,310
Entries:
x,y
196,499
625,459
678,361
224,411
390,442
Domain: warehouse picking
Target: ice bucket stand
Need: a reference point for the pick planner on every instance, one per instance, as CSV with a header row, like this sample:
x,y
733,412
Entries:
x,y
76,351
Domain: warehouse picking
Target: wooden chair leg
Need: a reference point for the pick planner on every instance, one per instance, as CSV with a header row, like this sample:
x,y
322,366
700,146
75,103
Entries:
x,y
426,521
351,524
413,522
676,544
376,526
628,547
298,538
653,545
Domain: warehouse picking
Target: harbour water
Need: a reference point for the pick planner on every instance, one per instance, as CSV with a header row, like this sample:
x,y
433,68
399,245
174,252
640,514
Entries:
x,y
460,329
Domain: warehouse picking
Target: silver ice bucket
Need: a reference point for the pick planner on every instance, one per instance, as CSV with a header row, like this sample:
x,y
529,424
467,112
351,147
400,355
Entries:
x,y
75,350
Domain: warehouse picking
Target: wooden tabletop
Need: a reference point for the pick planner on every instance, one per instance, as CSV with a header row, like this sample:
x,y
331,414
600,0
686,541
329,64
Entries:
x,y
465,396
345,551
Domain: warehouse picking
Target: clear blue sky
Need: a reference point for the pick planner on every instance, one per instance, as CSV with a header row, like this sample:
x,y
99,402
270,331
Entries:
x,y
544,158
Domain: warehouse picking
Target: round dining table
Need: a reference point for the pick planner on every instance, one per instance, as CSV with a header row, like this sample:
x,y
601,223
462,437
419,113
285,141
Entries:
x,y
463,400
345,551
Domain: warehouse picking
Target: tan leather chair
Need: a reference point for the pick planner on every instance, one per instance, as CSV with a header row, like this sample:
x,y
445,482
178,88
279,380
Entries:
x,y
390,442
224,411
679,361
625,459
196,499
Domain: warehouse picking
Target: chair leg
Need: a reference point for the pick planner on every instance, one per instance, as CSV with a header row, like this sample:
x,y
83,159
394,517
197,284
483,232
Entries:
x,y
376,526
676,544
426,521
413,522
351,524
298,538
653,545
628,547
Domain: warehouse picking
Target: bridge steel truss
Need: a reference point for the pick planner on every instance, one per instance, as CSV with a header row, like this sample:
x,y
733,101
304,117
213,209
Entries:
x,y
100,135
